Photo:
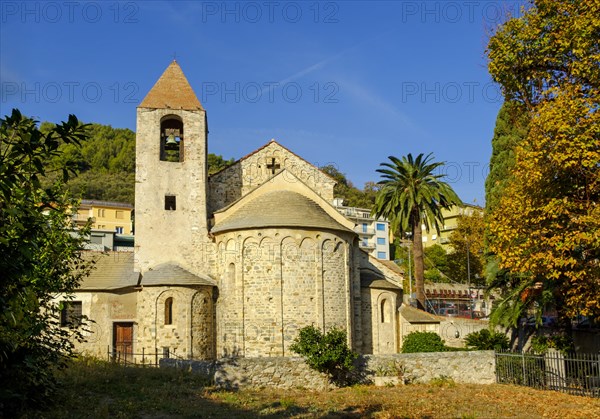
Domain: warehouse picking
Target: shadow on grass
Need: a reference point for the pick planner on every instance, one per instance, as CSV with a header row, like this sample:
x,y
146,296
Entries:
x,y
98,389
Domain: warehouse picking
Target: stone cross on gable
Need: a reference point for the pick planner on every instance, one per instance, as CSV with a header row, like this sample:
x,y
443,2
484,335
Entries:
x,y
273,166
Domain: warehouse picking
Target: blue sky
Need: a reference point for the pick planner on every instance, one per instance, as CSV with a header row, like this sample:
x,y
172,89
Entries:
x,y
347,83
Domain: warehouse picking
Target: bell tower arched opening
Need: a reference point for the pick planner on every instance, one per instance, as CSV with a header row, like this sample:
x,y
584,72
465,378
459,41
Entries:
x,y
171,139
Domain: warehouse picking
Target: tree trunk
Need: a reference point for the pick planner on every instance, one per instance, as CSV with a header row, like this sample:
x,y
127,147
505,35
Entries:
x,y
419,264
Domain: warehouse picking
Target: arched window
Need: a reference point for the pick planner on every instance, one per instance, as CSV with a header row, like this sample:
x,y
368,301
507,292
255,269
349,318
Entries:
x,y
171,139
169,310
385,311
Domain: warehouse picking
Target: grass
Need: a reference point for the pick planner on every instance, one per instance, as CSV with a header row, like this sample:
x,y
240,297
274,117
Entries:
x,y
94,389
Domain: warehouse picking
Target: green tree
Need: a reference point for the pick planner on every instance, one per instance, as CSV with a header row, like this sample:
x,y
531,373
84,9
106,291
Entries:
x,y
436,264
545,228
511,129
411,195
466,260
353,197
512,124
216,162
105,164
40,260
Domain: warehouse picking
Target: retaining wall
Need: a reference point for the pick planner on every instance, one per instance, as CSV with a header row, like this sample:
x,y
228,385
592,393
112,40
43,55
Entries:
x,y
475,367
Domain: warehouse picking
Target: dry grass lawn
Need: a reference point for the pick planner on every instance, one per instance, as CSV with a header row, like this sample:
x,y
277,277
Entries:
x,y
101,390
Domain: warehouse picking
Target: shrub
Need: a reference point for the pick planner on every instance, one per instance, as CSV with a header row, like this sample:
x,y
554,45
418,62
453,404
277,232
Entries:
x,y
325,352
422,342
487,340
559,341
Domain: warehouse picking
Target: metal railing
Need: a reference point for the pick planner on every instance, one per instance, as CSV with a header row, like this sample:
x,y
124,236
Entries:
x,y
577,374
142,359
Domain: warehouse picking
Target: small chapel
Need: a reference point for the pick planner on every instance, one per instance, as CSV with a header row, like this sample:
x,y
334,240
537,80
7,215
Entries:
x,y
233,264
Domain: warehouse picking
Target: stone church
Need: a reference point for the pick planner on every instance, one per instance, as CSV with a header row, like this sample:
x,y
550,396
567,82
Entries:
x,y
235,263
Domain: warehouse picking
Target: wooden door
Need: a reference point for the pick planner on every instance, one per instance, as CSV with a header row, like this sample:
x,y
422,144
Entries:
x,y
123,341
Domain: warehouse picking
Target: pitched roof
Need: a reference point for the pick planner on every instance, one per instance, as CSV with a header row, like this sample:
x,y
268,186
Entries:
x,y
172,91
113,270
391,265
414,315
370,279
173,274
279,208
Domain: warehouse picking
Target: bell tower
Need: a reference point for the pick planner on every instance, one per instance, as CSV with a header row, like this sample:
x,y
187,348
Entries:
x,y
171,173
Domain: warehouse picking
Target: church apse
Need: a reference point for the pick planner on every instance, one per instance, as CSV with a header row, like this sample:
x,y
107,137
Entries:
x,y
280,287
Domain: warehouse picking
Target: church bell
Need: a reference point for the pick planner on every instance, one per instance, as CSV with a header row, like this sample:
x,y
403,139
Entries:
x,y
171,141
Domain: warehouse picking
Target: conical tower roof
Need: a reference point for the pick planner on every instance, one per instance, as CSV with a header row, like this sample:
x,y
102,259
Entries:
x,y
172,91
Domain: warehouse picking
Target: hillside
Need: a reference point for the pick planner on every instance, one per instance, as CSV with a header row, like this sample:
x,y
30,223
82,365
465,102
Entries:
x,y
105,164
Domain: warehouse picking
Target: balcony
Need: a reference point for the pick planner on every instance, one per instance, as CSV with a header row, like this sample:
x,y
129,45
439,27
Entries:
x,y
82,219
364,231
367,245
356,214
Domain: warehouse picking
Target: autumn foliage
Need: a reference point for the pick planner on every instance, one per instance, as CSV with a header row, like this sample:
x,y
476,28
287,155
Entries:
x,y
545,228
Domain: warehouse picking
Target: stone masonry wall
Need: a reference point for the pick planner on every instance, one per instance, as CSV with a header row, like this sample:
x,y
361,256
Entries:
x,y
170,235
237,180
275,281
474,367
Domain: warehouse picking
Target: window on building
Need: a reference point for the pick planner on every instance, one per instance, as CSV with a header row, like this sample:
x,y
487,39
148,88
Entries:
x,y
365,241
381,240
381,255
119,230
380,226
101,212
170,202
171,139
70,315
169,310
385,311
364,227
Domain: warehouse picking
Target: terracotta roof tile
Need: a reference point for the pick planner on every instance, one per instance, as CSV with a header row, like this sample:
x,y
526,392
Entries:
x,y
172,91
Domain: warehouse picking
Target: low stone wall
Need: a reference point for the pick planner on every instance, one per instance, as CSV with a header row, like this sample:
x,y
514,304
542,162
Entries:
x,y
468,367
281,372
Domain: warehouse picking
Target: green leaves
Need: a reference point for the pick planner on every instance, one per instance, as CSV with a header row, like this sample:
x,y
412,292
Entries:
x,y
412,195
38,262
485,339
325,352
422,342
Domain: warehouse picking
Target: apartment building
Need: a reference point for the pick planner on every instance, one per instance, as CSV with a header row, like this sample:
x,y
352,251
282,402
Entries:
x,y
374,234
450,224
106,216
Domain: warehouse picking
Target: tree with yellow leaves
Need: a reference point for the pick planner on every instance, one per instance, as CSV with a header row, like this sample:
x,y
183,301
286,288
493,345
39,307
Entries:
x,y
545,228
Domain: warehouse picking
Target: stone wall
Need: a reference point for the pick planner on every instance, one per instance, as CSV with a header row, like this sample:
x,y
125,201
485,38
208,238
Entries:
x,y
253,170
473,367
449,326
468,367
190,332
274,281
170,235
103,309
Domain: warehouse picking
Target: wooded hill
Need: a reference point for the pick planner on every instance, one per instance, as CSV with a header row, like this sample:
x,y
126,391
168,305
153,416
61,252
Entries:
x,y
106,168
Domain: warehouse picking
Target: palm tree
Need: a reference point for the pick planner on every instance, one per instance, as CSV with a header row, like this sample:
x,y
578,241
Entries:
x,y
411,195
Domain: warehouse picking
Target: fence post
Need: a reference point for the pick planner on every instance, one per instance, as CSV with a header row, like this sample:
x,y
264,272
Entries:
x,y
555,369
524,369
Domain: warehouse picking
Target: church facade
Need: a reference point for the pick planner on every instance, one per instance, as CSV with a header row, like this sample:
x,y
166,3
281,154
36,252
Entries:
x,y
235,263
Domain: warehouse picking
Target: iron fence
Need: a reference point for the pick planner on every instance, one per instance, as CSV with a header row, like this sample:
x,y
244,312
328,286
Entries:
x,y
143,359
573,373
